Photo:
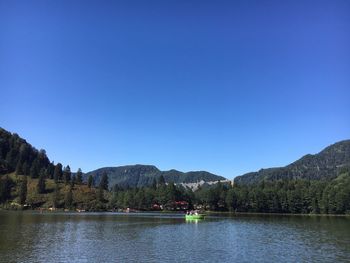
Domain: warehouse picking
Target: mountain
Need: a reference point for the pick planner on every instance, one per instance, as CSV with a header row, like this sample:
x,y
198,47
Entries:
x,y
16,154
143,175
324,165
315,184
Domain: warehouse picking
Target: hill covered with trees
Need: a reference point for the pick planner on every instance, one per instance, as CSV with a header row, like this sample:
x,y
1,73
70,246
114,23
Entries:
x,y
29,179
325,165
314,184
297,196
18,155
145,175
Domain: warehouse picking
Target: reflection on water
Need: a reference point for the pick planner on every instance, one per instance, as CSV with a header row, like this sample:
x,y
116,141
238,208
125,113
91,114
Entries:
x,y
152,237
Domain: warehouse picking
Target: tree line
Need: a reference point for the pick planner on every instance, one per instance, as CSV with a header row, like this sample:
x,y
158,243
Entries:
x,y
277,196
159,196
283,196
18,156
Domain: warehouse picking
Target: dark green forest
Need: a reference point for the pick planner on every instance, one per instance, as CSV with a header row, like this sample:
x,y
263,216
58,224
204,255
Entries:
x,y
324,165
284,196
18,155
143,175
29,179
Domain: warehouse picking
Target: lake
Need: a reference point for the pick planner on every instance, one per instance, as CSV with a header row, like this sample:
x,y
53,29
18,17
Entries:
x,y
158,237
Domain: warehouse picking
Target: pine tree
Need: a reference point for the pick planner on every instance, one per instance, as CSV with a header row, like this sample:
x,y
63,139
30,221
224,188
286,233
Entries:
x,y
57,175
67,174
50,170
100,194
34,169
68,201
73,181
90,181
56,196
79,176
19,169
41,187
24,152
5,188
104,182
23,191
26,168
12,158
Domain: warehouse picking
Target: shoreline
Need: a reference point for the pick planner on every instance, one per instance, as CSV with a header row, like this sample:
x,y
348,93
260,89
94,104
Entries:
x,y
273,214
209,213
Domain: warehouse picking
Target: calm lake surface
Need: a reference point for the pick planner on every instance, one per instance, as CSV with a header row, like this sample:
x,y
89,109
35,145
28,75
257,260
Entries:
x,y
155,237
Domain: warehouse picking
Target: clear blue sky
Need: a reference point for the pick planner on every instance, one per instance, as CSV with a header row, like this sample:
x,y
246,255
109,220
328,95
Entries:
x,y
224,86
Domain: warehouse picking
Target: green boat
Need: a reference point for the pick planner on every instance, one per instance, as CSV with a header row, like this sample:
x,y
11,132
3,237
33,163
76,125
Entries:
x,y
195,217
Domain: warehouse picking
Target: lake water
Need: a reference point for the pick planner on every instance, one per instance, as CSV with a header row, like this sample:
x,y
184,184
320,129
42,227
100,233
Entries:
x,y
155,237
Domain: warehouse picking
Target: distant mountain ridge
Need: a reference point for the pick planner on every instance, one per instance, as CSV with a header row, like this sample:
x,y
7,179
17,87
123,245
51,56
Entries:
x,y
324,165
143,175
16,154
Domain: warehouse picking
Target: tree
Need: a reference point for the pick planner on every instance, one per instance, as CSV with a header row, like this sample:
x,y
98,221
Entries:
x,y
43,160
102,186
161,195
23,191
154,184
68,201
24,152
73,181
25,168
104,182
90,181
100,195
113,200
67,174
116,188
56,196
41,186
161,180
50,170
34,169
231,199
57,175
140,199
171,193
128,200
5,188
79,176
19,168
12,158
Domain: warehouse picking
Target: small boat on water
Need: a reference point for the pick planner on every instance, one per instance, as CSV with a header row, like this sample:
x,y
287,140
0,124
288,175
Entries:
x,y
194,215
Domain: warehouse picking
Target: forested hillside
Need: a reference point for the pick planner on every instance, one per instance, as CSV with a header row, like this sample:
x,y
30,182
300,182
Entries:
x,y
18,155
145,175
27,177
325,165
283,196
312,185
